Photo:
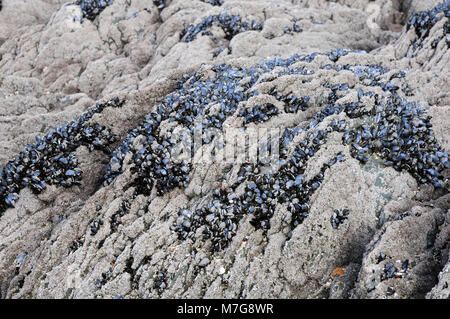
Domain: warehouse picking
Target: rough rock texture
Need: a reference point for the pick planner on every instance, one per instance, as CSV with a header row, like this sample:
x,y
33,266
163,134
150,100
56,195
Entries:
x,y
98,239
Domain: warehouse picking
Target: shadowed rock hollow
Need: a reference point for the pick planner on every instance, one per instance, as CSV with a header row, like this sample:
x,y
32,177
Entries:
x,y
94,201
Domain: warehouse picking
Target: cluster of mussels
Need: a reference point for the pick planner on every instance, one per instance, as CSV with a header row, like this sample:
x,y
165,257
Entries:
x,y
423,21
95,226
114,220
197,105
51,159
160,4
258,113
160,281
155,154
290,30
214,99
292,103
338,217
401,135
230,24
390,271
153,161
447,32
92,8
214,2
219,218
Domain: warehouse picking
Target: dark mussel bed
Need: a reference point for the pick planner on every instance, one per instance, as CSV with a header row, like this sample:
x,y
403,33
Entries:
x,y
394,131
338,218
400,134
92,8
426,159
160,4
51,160
230,24
214,2
407,122
423,21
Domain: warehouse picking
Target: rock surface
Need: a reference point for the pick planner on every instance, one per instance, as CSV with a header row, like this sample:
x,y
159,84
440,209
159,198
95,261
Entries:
x,y
115,238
